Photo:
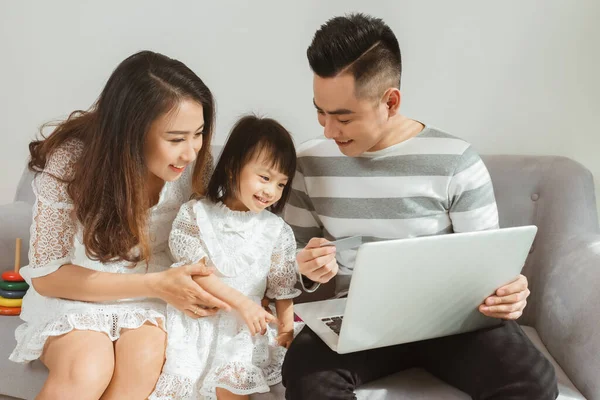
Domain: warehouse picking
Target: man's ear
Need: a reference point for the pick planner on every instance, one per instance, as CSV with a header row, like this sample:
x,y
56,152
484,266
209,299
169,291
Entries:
x,y
392,98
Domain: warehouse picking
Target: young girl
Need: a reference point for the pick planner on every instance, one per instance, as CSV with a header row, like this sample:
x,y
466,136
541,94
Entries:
x,y
235,230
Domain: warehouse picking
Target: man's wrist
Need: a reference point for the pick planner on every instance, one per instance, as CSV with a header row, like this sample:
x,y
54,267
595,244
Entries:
x,y
307,284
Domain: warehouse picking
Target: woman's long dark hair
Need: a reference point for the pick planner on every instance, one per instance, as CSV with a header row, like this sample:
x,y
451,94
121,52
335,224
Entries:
x,y
109,183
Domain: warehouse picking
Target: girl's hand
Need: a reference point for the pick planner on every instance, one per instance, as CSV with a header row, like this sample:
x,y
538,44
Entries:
x,y
255,316
284,339
265,304
176,287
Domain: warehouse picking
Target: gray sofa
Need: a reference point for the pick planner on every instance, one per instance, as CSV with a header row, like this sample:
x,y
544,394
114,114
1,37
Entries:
x,y
562,317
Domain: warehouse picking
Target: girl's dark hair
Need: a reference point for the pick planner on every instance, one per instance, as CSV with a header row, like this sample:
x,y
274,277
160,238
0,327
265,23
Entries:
x,y
251,137
108,186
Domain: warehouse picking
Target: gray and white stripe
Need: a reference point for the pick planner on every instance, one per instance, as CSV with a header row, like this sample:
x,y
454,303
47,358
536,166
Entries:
x,y
431,184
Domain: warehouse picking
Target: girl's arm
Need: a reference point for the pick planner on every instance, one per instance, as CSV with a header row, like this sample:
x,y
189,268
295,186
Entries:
x,y
254,315
281,281
285,314
217,288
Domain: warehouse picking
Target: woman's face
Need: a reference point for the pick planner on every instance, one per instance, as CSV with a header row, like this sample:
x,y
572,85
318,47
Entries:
x,y
174,140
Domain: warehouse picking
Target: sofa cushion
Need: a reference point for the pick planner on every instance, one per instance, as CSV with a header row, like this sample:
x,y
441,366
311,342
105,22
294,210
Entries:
x,y
23,381
15,220
24,190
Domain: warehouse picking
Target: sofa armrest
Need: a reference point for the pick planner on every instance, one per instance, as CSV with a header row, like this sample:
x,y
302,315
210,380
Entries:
x,y
15,221
569,312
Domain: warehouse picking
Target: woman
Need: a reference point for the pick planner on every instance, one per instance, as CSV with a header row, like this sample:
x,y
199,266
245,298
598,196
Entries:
x,y
110,182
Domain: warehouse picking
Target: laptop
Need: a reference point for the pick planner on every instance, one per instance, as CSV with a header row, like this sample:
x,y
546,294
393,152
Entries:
x,y
420,288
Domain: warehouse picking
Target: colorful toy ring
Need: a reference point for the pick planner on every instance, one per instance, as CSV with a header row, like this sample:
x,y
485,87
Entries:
x,y
12,294
14,285
10,310
12,276
10,302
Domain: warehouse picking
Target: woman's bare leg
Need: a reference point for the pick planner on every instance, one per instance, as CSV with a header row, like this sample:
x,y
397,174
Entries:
x,y
139,357
81,364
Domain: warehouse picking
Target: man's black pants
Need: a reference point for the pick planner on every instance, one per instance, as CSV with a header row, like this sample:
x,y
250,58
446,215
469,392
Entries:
x,y
494,363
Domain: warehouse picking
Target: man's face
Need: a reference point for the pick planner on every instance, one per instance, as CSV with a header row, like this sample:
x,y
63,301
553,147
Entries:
x,y
356,124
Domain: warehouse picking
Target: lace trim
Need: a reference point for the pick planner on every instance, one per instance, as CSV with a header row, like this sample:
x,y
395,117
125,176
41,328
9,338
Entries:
x,y
239,216
31,340
238,378
292,294
171,386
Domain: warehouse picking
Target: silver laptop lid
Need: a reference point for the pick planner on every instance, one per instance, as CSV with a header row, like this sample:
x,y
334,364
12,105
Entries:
x,y
415,289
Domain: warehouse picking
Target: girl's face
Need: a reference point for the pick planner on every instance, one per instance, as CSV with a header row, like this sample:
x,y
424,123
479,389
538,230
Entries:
x,y
261,186
174,140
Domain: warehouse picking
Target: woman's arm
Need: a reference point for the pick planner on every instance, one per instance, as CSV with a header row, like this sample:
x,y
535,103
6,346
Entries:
x,y
77,283
176,286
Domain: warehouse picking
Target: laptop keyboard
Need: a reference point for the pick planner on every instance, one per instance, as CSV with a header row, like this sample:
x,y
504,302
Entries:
x,y
334,323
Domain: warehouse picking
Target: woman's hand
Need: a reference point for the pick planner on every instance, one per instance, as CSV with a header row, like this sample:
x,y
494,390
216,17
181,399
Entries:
x,y
255,316
176,287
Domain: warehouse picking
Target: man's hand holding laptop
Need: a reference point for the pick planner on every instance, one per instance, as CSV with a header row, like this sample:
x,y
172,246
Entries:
x,y
509,301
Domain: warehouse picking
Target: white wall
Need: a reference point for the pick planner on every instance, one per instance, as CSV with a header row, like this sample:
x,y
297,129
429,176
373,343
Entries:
x,y
514,76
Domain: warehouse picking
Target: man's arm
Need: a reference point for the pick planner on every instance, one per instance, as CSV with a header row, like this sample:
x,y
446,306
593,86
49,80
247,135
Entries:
x,y
315,264
472,204
473,208
300,213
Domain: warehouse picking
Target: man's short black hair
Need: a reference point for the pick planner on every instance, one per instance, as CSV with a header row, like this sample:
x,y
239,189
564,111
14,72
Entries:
x,y
361,45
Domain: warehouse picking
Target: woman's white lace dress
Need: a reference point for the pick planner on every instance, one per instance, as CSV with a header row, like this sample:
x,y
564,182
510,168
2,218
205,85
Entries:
x,y
56,239
252,253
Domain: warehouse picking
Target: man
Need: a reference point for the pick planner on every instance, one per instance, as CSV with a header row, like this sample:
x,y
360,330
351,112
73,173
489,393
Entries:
x,y
381,175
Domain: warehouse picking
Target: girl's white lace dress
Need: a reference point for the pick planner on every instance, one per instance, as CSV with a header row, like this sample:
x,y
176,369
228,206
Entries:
x,y
252,253
56,239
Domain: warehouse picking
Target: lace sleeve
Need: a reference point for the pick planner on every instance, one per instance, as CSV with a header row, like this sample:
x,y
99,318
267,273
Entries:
x,y
53,227
282,276
184,240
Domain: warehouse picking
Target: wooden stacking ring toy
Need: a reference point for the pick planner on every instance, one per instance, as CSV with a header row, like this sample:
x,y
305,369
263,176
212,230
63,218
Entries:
x,y
12,294
14,276
10,310
13,287
10,302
